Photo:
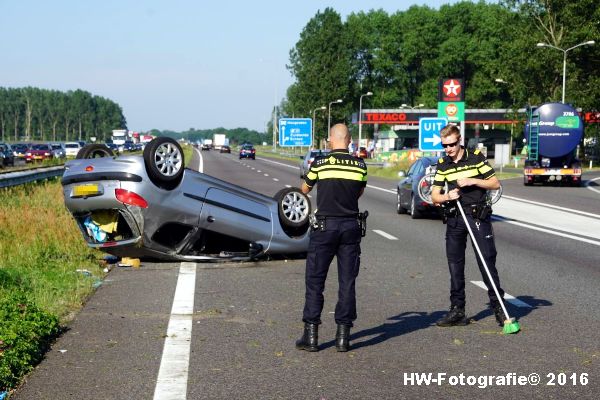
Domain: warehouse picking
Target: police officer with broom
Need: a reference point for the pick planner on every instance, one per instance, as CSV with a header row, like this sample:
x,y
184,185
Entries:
x,y
469,177
337,231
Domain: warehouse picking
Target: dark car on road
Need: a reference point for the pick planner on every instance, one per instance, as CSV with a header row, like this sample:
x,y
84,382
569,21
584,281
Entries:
x,y
248,151
7,157
225,149
20,150
308,159
409,198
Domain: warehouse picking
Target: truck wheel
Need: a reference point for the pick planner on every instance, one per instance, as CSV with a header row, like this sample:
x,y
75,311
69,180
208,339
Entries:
x,y
163,158
293,207
95,150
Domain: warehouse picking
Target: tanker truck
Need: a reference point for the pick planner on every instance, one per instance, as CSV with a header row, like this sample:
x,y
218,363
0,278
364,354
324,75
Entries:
x,y
552,132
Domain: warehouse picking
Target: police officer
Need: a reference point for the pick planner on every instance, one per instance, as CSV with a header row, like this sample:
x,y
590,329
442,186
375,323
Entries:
x,y
468,176
341,180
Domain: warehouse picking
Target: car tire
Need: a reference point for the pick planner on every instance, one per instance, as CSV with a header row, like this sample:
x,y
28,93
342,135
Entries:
x,y
163,158
414,212
294,208
95,150
399,208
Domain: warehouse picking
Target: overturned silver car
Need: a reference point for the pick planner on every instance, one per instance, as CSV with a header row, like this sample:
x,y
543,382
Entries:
x,y
150,206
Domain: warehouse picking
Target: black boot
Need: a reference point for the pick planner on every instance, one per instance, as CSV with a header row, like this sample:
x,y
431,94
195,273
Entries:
x,y
342,338
498,313
310,339
454,317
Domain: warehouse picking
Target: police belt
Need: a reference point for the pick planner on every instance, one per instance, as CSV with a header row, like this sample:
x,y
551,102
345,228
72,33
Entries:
x,y
319,222
479,211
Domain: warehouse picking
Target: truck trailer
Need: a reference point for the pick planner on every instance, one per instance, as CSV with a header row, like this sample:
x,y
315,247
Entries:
x,y
552,132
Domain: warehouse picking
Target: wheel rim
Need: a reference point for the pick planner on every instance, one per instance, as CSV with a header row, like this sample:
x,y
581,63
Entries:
x,y
167,159
295,207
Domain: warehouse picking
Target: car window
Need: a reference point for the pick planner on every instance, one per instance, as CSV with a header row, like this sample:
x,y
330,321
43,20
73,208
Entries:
x,y
72,145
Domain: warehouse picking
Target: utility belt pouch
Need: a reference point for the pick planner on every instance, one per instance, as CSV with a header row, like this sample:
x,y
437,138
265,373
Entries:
x,y
448,211
481,211
362,222
319,224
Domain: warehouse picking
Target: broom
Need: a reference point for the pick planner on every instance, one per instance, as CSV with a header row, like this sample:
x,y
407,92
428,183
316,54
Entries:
x,y
510,324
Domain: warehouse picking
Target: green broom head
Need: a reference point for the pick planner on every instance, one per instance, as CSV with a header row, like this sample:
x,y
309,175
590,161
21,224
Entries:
x,y
511,326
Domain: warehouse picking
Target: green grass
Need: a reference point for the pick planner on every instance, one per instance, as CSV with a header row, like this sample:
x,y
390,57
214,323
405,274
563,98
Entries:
x,y
41,251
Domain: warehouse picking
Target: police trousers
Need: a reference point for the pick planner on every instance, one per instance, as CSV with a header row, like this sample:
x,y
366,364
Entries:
x,y
341,237
456,243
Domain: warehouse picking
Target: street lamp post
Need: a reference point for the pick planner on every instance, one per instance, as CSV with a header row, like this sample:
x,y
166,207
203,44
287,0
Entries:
x,y
312,132
589,42
360,116
411,107
512,124
329,117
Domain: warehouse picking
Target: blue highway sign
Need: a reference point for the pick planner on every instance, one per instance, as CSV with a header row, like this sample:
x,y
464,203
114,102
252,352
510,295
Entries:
x,y
295,132
429,133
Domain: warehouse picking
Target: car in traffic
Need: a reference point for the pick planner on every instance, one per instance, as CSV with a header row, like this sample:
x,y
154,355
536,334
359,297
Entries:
x,y
72,148
409,198
59,150
7,156
39,152
149,206
20,150
248,151
225,149
309,158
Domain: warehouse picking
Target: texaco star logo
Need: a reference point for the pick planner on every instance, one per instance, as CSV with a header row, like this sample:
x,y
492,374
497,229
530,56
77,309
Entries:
x,y
452,88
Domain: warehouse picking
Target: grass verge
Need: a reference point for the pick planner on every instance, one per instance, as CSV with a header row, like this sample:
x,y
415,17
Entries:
x,y
46,273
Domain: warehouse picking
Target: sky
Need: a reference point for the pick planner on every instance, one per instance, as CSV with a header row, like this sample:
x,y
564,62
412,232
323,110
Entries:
x,y
171,65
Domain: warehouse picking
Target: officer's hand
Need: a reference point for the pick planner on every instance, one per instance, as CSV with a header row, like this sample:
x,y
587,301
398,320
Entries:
x,y
453,194
465,182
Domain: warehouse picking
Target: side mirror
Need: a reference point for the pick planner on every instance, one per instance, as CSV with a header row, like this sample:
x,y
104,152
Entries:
x,y
302,157
401,174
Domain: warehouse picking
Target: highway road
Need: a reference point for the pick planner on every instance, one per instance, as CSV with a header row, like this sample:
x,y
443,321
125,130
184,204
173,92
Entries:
x,y
243,318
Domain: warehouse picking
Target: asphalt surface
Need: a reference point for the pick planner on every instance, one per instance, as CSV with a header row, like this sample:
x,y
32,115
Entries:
x,y
246,316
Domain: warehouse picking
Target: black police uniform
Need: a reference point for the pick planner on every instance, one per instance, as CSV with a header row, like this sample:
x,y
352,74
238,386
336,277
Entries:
x,y
341,179
473,164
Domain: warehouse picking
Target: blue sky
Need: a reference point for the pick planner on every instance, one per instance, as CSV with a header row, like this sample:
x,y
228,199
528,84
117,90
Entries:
x,y
174,64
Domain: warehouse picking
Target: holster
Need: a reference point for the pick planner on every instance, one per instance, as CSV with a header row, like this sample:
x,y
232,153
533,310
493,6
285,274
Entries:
x,y
480,211
362,222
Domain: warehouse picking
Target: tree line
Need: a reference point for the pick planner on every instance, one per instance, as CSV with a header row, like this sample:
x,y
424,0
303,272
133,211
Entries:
x,y
400,57
35,114
236,136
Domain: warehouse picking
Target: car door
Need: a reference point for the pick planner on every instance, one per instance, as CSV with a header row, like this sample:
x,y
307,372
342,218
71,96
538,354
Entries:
x,y
234,215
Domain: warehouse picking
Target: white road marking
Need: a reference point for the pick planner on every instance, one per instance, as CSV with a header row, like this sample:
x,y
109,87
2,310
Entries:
x,y
382,189
279,163
252,168
571,210
551,232
288,186
508,297
266,174
201,165
587,185
385,234
259,171
171,383
276,180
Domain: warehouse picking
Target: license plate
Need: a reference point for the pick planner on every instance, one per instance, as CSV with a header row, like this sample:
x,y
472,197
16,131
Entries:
x,y
86,190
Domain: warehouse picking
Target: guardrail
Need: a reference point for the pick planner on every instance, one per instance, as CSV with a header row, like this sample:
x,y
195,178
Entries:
x,y
21,177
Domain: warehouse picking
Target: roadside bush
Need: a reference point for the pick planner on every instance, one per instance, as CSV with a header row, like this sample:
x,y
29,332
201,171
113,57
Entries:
x,y
25,335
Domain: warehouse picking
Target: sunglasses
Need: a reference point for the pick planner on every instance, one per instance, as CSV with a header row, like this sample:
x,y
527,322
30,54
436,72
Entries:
x,y
445,145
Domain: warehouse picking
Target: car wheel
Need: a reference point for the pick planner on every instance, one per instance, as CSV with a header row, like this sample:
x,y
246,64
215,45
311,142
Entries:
x,y
164,162
399,208
95,150
294,208
414,212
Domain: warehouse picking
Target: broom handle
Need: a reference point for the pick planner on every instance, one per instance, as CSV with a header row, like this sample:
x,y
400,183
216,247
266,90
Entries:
x,y
500,299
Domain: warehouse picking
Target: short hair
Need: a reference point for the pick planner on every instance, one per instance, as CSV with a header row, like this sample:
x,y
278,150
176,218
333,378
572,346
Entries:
x,y
449,130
